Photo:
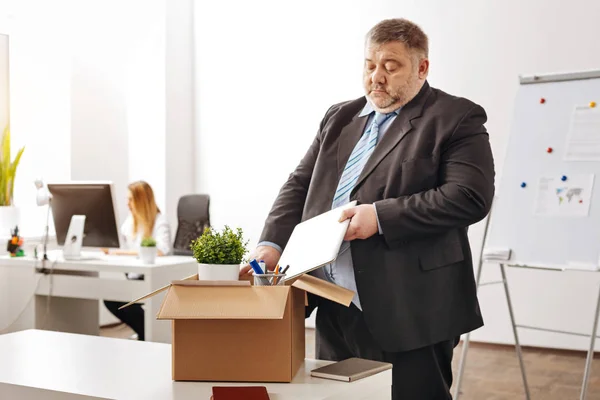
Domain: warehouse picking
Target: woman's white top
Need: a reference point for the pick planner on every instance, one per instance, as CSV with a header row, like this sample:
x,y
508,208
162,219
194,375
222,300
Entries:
x,y
161,233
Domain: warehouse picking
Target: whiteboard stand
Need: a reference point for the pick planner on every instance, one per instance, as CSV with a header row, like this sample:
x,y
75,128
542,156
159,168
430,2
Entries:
x,y
504,281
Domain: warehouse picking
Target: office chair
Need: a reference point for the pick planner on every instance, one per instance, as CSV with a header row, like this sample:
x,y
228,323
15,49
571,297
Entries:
x,y
192,218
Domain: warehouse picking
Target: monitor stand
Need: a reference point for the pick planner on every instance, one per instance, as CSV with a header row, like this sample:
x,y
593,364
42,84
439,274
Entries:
x,y
74,239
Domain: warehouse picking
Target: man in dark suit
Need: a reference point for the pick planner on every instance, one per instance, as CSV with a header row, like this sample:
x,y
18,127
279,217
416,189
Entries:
x,y
419,163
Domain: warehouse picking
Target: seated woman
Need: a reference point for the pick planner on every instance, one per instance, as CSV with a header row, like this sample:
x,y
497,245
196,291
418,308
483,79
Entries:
x,y
144,220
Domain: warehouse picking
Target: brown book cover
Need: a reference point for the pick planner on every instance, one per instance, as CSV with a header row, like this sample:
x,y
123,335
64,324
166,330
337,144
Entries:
x,y
239,393
351,369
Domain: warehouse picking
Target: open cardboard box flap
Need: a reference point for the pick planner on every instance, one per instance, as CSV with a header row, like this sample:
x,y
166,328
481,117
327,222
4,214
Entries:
x,y
324,289
236,300
224,302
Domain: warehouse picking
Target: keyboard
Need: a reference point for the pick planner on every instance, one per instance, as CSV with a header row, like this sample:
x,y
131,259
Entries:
x,y
87,255
83,256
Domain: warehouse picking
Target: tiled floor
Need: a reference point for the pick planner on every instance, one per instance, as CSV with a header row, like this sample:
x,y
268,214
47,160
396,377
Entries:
x,y
492,372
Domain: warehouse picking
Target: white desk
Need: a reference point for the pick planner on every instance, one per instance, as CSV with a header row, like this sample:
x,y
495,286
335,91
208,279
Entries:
x,y
51,365
76,287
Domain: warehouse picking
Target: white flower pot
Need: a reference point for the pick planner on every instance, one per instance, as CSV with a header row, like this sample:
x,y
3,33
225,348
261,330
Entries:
x,y
218,272
148,254
9,218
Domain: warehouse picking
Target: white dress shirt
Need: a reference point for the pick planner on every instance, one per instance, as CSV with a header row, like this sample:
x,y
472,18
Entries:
x,y
161,233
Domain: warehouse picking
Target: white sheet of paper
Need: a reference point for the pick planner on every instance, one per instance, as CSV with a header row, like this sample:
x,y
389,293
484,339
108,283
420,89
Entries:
x,y
583,140
570,198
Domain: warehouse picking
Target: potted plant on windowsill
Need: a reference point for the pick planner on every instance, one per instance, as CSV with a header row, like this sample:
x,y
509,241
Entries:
x,y
148,250
9,213
219,254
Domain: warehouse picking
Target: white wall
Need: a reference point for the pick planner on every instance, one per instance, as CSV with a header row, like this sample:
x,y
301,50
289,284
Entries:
x,y
4,110
40,106
179,111
3,121
144,87
267,71
99,108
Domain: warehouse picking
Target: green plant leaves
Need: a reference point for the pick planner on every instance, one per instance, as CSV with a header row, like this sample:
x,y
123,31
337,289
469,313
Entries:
x,y
8,169
226,247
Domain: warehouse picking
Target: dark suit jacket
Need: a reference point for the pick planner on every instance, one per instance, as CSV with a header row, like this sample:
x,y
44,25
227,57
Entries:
x,y
430,177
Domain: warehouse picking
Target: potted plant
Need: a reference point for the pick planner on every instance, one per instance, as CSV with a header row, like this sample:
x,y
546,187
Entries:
x,y
219,254
9,214
148,250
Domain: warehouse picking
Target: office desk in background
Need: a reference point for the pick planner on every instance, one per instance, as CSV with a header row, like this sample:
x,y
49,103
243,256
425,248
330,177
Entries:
x,y
53,365
74,289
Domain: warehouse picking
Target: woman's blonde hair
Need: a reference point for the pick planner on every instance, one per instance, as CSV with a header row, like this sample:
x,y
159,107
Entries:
x,y
144,208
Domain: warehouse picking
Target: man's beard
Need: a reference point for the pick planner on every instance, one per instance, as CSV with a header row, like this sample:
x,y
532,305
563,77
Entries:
x,y
400,96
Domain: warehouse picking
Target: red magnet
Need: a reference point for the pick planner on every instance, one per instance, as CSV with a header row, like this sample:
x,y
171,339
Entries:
x,y
549,150
542,100
580,201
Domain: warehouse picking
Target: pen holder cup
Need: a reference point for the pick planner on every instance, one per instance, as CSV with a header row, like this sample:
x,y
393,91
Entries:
x,y
269,279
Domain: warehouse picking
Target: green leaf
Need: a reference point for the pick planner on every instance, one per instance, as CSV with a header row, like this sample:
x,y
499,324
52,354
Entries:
x,y
8,169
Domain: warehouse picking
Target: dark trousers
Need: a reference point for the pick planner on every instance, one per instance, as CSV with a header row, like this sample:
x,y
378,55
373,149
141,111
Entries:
x,y
132,316
421,374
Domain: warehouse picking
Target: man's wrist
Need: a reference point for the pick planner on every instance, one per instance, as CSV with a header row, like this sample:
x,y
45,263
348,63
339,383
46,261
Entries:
x,y
270,244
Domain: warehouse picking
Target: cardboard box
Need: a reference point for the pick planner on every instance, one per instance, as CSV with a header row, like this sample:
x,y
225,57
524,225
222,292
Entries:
x,y
237,332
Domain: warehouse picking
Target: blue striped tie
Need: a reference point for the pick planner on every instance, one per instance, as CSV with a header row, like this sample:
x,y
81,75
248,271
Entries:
x,y
361,153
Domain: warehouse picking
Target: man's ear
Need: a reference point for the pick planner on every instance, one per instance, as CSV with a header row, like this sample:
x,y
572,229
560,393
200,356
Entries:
x,y
423,68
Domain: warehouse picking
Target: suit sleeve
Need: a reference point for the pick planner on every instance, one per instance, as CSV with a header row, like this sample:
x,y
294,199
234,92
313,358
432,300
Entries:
x,y
287,209
463,196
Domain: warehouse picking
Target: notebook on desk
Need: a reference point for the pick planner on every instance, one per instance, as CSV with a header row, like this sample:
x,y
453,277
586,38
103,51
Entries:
x,y
239,393
351,369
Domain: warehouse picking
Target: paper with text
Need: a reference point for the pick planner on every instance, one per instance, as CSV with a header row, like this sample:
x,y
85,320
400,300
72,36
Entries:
x,y
583,140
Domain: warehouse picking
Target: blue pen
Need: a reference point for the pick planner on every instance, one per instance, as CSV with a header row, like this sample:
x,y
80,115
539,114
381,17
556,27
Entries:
x,y
256,267
263,265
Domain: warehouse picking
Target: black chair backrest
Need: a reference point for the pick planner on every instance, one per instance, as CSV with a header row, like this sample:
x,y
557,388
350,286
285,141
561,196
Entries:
x,y
192,218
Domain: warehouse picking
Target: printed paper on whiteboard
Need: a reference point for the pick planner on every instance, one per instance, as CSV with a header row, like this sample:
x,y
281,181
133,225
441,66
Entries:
x,y
570,198
583,140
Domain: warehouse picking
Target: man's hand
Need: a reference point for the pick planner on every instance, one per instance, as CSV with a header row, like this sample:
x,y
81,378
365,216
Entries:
x,y
363,222
267,253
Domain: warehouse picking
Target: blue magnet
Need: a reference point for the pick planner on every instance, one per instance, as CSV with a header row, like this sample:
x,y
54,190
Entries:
x,y
564,178
523,184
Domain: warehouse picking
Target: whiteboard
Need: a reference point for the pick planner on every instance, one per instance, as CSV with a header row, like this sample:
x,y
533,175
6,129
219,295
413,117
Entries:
x,y
535,232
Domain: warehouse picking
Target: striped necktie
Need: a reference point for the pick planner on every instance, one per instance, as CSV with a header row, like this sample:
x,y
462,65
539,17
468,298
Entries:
x,y
361,153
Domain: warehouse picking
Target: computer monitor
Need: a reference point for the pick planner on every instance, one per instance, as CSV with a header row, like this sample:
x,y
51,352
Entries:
x,y
95,201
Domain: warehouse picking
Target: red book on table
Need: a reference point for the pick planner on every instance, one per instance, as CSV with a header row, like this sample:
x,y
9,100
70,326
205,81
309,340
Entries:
x,y
239,393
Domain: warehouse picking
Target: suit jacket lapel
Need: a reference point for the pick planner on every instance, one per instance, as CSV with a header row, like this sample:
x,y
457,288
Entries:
x,y
399,128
